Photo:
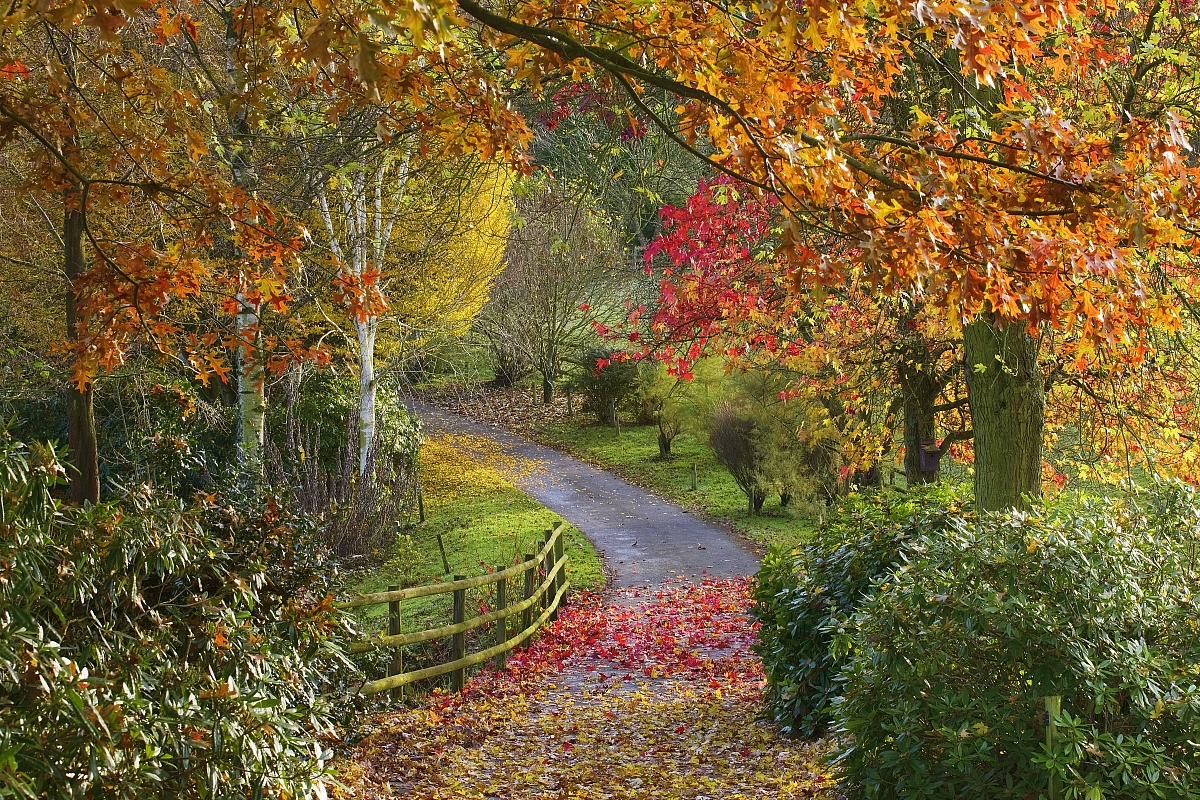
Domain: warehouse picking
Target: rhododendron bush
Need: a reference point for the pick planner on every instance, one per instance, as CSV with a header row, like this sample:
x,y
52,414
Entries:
x,y
150,646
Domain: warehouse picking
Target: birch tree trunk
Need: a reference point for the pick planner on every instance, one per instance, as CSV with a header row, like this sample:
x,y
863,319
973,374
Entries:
x,y
252,394
369,209
367,388
251,376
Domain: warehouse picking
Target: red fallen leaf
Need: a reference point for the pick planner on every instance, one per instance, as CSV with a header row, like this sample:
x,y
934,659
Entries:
x,y
681,729
567,747
744,752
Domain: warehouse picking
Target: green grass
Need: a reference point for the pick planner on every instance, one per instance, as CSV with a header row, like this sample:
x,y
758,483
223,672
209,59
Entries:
x,y
634,456
493,527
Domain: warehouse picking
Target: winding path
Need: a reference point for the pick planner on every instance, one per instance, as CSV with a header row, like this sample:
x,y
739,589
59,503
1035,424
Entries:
x,y
644,538
630,695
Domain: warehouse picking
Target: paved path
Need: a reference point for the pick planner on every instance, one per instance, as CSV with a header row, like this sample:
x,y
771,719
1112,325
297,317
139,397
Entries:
x,y
644,538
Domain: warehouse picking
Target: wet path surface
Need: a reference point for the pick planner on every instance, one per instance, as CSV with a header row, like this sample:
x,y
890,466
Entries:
x,y
644,538
648,692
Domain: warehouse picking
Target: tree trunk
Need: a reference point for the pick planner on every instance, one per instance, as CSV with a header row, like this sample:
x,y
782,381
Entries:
x,y
664,445
84,482
367,388
251,374
919,433
547,391
1007,399
81,417
252,396
919,389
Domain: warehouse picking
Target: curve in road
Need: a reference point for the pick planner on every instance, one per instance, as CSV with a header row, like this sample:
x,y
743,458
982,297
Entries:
x,y
644,539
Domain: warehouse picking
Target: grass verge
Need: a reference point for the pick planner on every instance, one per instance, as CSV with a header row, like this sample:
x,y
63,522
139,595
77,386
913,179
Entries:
x,y
634,456
480,521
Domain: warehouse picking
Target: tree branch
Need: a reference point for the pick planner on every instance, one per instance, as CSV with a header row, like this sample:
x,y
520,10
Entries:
x,y
952,437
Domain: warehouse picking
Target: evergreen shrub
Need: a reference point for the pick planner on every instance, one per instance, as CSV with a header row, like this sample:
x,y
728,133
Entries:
x,y
804,595
945,665
152,648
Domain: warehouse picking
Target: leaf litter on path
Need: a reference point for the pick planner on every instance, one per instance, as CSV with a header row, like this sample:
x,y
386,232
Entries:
x,y
645,694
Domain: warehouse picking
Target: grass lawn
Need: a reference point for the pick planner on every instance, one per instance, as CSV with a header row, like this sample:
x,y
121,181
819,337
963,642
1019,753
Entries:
x,y
483,520
634,456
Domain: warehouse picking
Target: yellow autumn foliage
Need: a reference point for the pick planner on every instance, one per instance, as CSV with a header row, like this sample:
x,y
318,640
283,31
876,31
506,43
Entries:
x,y
445,254
454,465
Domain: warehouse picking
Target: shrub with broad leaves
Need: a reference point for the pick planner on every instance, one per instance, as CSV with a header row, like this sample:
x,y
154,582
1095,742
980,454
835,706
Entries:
x,y
803,596
152,648
946,663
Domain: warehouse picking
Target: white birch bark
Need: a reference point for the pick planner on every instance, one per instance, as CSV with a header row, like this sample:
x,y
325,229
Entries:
x,y
366,225
251,375
252,395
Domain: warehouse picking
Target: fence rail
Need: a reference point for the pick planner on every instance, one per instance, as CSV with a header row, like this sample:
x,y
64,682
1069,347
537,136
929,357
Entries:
x,y
548,594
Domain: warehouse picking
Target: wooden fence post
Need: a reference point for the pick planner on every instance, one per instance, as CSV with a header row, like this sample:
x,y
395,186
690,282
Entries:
x,y
501,633
527,614
559,548
458,646
549,565
397,664
442,550
1053,706
693,476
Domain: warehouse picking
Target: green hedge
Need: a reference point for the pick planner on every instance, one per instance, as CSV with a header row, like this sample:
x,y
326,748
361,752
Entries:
x,y
153,649
947,662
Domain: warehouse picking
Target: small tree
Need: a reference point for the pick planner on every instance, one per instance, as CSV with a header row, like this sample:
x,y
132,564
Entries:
x,y
735,445
604,382
661,402
560,267
799,453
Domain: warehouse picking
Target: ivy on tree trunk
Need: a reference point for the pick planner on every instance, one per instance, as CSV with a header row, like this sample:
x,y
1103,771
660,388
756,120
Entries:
x,y
1007,398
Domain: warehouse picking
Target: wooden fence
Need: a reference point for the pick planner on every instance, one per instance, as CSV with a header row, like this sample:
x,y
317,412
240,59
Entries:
x,y
545,596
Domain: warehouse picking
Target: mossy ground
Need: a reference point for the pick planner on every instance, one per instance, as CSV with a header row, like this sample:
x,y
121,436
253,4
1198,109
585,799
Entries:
x,y
483,521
